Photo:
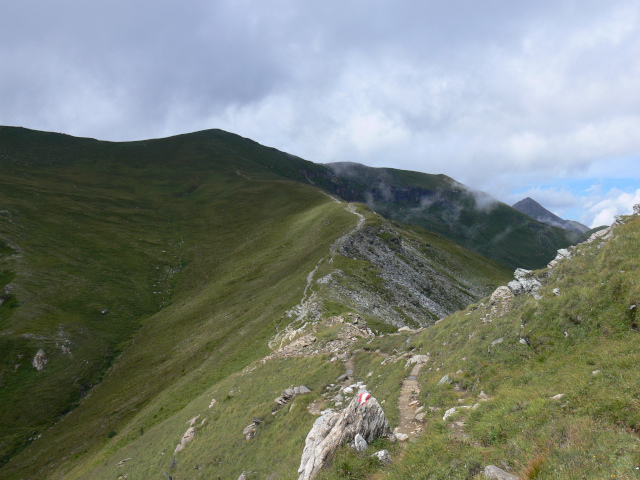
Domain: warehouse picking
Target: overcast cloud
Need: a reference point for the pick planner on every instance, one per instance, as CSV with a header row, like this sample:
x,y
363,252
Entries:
x,y
513,98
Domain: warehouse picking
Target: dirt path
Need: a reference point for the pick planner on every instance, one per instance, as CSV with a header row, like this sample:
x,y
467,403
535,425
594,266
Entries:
x,y
308,299
408,403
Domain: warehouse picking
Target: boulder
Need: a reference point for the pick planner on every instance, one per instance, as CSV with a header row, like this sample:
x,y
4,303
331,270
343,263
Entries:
x,y
189,435
524,283
363,416
359,443
491,471
383,456
501,300
39,360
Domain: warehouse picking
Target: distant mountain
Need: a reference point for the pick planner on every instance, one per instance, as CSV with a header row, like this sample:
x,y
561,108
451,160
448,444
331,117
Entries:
x,y
582,228
530,207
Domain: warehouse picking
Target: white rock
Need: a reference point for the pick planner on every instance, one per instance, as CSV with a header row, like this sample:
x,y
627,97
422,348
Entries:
x,y
445,379
558,396
496,342
39,360
192,422
449,413
491,471
360,443
334,429
402,437
383,456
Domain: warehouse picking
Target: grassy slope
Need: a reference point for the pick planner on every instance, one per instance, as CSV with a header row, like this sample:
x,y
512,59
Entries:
x,y
583,344
107,228
195,244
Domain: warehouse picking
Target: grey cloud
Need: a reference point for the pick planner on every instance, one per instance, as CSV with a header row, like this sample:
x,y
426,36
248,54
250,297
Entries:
x,y
497,94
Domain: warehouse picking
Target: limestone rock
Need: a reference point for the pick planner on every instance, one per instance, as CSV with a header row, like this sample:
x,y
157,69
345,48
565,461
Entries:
x,y
402,437
497,341
446,379
363,416
418,359
524,283
600,233
491,471
39,360
213,402
500,300
249,431
636,209
189,435
383,456
192,422
288,393
360,443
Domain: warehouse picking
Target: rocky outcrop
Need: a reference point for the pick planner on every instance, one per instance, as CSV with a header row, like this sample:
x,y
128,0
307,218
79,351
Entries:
x,y
500,300
188,436
288,393
363,416
352,327
563,254
408,284
524,283
39,360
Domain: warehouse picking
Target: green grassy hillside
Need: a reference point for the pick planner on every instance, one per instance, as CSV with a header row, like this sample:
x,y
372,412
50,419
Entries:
x,y
550,386
151,272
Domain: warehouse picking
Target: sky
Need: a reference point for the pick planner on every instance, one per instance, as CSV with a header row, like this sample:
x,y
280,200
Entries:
x,y
516,99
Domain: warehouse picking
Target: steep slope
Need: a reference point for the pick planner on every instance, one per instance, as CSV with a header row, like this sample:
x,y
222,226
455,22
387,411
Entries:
x,y
440,204
147,272
530,207
538,386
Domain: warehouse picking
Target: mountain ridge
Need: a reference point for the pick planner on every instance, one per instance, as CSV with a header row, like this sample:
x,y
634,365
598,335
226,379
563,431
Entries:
x,y
533,209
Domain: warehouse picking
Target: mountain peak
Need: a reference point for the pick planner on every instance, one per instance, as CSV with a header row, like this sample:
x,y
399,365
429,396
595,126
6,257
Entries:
x,y
533,209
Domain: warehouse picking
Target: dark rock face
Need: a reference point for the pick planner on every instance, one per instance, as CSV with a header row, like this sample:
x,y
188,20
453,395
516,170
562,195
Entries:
x,y
410,289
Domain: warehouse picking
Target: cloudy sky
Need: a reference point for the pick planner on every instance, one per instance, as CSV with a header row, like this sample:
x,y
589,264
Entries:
x,y
518,99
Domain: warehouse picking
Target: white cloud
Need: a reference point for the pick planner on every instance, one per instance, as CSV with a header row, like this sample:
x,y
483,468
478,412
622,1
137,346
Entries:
x,y
601,209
